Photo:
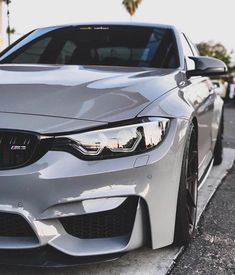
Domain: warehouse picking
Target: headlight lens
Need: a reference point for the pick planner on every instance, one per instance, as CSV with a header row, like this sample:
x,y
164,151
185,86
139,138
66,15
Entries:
x,y
115,142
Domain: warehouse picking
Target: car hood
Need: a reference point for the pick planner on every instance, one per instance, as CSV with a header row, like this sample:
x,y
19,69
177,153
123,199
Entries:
x,y
94,93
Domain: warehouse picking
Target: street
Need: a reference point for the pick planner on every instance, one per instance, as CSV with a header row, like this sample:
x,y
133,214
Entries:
x,y
212,250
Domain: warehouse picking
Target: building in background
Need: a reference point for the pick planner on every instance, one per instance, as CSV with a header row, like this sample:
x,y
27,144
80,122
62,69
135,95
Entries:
x,y
3,25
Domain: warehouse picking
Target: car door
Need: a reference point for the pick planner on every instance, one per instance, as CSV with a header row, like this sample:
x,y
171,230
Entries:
x,y
200,93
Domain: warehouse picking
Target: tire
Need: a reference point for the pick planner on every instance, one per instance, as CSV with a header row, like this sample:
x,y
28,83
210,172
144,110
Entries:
x,y
218,151
188,192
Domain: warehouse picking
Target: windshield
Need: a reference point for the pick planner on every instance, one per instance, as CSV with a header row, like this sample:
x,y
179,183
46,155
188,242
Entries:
x,y
98,45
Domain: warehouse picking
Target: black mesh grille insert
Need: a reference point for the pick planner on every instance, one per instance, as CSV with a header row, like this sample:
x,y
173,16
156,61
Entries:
x,y
12,225
16,148
107,224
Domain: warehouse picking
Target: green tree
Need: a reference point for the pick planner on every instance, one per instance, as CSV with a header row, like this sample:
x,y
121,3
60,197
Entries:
x,y
216,50
131,5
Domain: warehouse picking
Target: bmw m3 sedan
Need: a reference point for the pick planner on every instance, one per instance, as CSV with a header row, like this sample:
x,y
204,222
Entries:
x,y
106,133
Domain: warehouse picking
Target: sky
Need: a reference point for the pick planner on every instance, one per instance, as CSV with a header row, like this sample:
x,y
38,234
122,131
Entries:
x,y
201,20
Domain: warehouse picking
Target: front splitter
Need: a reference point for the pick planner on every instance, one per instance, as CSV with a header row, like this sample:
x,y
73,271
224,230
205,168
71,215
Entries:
x,y
47,256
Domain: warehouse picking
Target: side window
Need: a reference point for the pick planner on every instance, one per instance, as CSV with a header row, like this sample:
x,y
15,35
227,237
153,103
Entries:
x,y
33,54
187,52
66,53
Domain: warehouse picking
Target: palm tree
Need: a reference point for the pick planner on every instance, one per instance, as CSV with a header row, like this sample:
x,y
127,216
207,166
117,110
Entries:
x,y
9,29
131,5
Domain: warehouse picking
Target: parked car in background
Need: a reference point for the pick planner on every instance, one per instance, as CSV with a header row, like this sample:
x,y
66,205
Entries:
x,y
232,91
106,133
221,87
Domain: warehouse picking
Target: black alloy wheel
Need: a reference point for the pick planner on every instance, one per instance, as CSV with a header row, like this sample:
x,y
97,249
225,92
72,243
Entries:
x,y
188,192
218,151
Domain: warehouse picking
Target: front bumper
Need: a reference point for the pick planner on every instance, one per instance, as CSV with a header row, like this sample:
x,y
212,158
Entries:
x,y
59,185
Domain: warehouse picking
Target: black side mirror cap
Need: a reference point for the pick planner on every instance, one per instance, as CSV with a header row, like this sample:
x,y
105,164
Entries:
x,y
207,66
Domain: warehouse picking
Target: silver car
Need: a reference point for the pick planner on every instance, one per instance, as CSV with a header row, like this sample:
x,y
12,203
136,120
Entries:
x,y
106,133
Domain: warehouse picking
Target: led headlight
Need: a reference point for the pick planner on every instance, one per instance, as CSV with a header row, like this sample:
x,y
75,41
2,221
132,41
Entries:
x,y
116,141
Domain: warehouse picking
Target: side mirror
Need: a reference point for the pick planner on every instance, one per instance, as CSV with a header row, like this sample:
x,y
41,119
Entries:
x,y
207,66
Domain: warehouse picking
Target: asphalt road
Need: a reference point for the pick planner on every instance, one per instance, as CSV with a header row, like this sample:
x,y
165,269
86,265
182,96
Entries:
x,y
212,250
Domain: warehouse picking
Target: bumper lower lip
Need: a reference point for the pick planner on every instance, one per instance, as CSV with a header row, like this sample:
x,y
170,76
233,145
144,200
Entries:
x,y
49,257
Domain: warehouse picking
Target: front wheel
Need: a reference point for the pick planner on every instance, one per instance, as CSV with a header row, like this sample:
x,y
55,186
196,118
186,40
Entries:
x,y
218,151
188,191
